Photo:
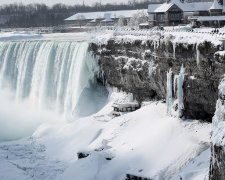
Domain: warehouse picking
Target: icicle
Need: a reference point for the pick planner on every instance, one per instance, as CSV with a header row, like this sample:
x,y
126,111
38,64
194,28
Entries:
x,y
180,81
131,97
174,50
154,46
151,68
169,94
103,76
197,55
175,84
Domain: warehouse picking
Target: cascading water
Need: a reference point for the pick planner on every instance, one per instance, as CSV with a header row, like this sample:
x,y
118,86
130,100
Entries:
x,y
50,74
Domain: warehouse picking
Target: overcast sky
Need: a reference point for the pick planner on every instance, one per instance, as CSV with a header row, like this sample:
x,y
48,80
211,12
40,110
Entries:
x,y
51,2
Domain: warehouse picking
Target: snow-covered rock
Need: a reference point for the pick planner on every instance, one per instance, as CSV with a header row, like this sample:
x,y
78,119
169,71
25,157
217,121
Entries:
x,y
217,165
138,62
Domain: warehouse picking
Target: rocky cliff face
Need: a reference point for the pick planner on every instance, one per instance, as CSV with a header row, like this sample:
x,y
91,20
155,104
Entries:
x,y
217,164
140,67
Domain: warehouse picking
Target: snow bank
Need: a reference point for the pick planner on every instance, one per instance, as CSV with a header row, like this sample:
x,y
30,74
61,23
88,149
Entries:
x,y
146,143
197,168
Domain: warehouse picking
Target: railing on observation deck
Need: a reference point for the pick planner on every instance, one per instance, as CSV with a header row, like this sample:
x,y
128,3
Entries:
x,y
126,31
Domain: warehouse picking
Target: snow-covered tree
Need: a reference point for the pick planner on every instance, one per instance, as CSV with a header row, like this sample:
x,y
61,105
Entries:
x,y
121,21
80,18
139,17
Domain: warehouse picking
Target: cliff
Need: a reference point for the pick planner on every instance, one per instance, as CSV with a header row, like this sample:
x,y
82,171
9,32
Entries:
x,y
217,164
140,66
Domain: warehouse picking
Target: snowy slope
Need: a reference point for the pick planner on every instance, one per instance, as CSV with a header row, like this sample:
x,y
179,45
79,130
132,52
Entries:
x,y
197,168
146,143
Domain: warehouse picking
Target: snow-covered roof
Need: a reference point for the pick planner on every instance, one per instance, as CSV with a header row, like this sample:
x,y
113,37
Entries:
x,y
201,6
194,6
106,14
164,7
186,7
216,5
153,7
107,17
211,18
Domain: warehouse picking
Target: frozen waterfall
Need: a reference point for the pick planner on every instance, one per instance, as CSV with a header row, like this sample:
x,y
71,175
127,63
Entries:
x,y
52,74
169,94
174,96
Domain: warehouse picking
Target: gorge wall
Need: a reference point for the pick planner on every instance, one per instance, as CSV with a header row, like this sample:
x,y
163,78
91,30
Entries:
x,y
140,67
217,164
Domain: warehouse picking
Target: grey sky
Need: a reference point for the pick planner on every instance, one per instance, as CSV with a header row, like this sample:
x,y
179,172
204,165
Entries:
x,y
51,2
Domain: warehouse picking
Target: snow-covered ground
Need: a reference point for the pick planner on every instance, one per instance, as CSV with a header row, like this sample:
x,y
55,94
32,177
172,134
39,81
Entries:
x,y
176,35
146,142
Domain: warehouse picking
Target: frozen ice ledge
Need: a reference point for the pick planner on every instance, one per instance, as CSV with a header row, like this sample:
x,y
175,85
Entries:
x,y
139,65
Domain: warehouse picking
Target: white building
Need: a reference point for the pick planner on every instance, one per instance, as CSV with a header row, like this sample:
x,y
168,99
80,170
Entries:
x,y
104,18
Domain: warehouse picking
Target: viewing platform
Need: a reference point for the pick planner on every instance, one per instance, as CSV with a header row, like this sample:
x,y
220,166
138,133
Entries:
x,y
119,108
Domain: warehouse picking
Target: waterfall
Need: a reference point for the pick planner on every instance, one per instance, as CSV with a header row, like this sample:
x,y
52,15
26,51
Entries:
x,y
52,74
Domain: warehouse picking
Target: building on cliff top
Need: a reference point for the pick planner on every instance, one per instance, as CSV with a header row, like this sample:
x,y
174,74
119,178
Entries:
x,y
174,12
106,18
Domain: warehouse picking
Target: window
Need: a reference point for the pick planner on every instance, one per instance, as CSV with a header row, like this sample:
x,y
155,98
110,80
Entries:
x,y
160,17
175,16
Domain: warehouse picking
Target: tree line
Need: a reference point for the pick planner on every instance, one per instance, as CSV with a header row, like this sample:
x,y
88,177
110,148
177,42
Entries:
x,y
19,15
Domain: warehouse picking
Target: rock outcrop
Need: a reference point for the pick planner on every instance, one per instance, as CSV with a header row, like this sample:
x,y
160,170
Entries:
x,y
140,67
217,163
